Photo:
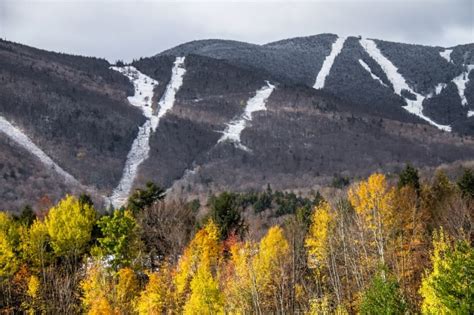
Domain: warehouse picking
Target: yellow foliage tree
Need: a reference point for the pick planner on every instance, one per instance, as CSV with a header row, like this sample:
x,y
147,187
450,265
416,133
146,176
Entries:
x,y
35,243
69,226
373,200
238,279
95,288
126,291
316,240
203,254
269,267
205,298
157,297
9,261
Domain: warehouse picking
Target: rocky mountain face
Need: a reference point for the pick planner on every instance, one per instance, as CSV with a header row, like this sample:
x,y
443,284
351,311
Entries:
x,y
231,115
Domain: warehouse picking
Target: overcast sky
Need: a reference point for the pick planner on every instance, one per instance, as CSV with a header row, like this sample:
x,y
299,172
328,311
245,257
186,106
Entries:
x,y
119,29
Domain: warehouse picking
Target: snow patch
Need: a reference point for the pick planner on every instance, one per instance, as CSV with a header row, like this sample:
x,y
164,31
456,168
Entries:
x,y
17,135
366,67
446,54
399,83
470,113
235,127
461,82
328,62
142,98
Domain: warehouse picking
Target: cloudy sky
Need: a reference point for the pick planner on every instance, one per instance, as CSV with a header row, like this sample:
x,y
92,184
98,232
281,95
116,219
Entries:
x,y
127,29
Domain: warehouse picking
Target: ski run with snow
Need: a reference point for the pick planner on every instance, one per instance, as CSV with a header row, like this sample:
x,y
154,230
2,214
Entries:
x,y
235,127
328,62
446,54
399,84
461,82
366,67
17,135
142,98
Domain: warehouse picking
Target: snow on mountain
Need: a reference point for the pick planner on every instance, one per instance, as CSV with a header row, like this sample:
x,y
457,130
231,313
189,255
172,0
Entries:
x,y
143,87
235,127
399,83
24,141
328,62
366,67
461,82
446,54
142,98
167,101
470,113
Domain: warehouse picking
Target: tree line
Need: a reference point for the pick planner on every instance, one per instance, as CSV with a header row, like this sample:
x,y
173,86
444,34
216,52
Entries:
x,y
385,247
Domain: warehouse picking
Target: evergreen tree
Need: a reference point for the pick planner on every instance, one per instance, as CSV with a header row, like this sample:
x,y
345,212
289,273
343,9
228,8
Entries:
x,y
466,183
409,177
383,297
143,198
449,287
225,213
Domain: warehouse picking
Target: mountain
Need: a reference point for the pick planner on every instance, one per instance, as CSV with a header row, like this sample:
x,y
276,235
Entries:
x,y
212,115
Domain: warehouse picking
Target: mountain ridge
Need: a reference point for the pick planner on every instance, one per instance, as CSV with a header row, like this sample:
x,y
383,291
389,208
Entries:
x,y
300,138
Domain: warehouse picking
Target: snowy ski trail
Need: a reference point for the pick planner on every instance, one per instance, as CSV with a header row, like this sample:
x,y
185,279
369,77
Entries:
x,y
399,83
328,62
142,98
17,135
461,82
235,127
375,77
446,54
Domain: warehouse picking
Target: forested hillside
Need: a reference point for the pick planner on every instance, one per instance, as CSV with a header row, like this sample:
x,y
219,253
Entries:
x,y
382,245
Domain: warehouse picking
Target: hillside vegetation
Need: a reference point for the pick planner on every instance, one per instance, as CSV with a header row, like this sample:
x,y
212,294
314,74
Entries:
x,y
381,246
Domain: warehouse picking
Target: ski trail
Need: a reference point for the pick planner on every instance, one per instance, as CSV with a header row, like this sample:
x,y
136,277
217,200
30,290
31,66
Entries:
x,y
399,84
461,82
328,62
17,135
142,98
235,127
375,77
446,54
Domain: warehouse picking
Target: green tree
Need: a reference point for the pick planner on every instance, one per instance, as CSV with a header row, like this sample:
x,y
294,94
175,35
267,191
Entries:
x,y
119,239
225,213
409,177
143,198
27,216
383,297
466,183
449,287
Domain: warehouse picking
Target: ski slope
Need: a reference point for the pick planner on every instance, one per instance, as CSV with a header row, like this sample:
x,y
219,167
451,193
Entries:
x,y
446,54
257,103
17,135
461,82
399,83
142,98
375,77
328,62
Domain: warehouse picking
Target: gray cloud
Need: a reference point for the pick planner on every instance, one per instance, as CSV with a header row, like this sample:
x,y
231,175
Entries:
x,y
131,29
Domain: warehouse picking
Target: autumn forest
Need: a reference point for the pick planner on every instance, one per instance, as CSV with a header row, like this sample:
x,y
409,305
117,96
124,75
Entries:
x,y
386,245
